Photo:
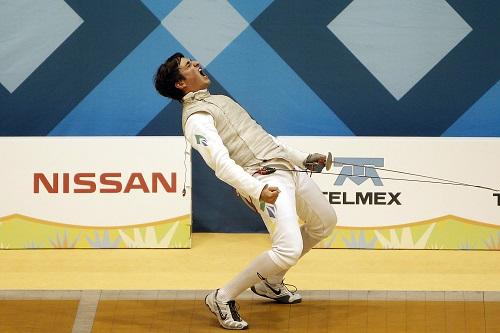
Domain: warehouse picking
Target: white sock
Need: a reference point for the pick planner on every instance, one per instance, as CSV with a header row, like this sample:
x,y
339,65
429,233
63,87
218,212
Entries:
x,y
278,278
308,243
263,265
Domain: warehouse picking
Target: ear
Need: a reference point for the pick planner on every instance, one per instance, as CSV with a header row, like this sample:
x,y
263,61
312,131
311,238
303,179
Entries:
x,y
180,84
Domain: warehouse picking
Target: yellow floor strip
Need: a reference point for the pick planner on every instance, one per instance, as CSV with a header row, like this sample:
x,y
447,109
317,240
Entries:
x,y
215,258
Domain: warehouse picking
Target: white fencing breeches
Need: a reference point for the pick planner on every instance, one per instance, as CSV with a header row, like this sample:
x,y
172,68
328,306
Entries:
x,y
300,197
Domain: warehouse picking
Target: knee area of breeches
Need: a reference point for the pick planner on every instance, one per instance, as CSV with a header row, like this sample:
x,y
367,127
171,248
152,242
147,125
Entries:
x,y
324,228
330,221
287,255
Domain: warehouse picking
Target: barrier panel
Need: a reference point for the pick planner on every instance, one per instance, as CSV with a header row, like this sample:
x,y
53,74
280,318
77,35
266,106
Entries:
x,y
94,192
381,209
126,192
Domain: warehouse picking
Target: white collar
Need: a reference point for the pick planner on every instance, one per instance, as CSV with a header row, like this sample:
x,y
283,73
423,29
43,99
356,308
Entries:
x,y
195,96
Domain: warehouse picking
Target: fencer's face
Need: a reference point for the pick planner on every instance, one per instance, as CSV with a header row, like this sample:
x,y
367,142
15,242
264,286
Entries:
x,y
194,77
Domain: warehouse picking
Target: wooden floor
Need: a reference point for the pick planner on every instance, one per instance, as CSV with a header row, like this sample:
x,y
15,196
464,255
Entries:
x,y
37,315
312,317
320,312
144,290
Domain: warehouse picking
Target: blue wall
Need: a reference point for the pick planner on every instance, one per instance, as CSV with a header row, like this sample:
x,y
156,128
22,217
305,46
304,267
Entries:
x,y
405,68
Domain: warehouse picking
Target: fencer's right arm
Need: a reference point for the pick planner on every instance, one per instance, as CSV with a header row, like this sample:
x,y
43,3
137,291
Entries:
x,y
201,133
294,156
314,162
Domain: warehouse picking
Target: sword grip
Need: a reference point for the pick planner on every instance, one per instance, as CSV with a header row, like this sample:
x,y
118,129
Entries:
x,y
265,170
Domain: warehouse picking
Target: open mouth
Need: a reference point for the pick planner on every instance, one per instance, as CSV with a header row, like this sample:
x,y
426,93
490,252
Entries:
x,y
201,72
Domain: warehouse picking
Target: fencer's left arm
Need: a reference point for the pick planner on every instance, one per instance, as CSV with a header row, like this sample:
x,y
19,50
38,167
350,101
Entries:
x,y
201,133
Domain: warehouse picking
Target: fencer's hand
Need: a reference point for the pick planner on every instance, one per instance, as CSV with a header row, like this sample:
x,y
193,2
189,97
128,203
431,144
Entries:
x,y
269,194
315,162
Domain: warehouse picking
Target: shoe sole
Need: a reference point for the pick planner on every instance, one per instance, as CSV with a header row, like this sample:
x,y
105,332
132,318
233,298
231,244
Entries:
x,y
280,300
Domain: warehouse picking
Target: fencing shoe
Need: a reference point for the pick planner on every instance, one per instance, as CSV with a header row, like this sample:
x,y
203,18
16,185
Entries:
x,y
226,313
276,291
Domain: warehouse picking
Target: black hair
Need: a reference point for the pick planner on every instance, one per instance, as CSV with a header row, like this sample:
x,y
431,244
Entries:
x,y
167,75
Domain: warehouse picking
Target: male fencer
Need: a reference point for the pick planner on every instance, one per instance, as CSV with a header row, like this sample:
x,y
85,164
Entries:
x,y
238,149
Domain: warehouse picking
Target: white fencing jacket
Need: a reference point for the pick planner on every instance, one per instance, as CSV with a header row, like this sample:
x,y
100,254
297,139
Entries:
x,y
231,142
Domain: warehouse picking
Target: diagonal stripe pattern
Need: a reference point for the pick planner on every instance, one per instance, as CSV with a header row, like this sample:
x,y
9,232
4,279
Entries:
x,y
399,41
29,32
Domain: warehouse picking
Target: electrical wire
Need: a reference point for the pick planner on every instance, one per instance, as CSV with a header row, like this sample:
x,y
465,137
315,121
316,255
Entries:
x,y
435,180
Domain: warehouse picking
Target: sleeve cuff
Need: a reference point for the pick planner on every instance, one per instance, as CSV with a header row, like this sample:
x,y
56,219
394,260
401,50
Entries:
x,y
297,157
258,191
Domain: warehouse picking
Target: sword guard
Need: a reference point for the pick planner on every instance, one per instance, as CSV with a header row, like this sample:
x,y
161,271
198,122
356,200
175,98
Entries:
x,y
329,161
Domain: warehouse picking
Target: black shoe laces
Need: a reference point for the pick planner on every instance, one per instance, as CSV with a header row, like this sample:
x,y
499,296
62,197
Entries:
x,y
287,287
233,307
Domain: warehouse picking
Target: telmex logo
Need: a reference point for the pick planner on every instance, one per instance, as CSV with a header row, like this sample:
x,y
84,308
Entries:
x,y
359,170
109,182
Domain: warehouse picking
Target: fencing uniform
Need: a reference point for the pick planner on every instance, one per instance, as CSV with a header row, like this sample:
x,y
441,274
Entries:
x,y
235,146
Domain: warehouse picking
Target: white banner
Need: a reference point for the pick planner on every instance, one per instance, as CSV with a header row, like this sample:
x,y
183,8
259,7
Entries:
x,y
95,181
363,200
